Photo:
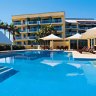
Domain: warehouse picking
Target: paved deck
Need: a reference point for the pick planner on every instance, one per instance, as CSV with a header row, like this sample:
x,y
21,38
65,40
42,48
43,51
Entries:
x,y
77,55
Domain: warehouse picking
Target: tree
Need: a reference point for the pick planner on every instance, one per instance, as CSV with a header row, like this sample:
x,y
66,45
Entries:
x,y
13,30
44,31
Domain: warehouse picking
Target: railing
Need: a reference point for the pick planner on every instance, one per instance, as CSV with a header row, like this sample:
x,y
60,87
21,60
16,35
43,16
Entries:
x,y
58,29
17,38
31,37
17,23
33,30
22,30
32,22
71,26
57,21
45,21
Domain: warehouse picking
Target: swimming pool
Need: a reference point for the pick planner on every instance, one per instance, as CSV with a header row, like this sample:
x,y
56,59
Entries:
x,y
46,73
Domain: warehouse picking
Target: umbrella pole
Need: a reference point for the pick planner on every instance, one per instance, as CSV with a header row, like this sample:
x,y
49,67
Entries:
x,y
11,47
52,44
77,44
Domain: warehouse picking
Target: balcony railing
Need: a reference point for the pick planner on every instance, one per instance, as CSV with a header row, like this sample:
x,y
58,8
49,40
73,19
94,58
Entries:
x,y
45,21
33,30
17,38
58,29
32,22
71,27
31,37
17,23
22,31
57,21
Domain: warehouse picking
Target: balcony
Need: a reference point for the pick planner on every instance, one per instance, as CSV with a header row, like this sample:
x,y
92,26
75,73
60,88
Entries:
x,y
22,30
33,30
32,22
58,28
17,23
45,21
71,27
56,20
18,38
82,28
31,37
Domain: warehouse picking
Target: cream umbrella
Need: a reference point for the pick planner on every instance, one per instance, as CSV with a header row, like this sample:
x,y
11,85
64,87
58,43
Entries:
x,y
51,37
77,36
90,33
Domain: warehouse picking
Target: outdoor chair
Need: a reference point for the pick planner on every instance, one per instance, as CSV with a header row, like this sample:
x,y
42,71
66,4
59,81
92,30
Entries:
x,y
58,47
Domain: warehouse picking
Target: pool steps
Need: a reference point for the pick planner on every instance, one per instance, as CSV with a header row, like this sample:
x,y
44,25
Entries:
x,y
4,70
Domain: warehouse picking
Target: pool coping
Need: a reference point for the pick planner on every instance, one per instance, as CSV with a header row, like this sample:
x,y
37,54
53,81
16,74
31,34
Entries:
x,y
76,54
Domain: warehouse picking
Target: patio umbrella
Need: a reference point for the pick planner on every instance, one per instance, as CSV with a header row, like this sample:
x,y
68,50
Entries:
x,y
4,40
51,37
90,33
77,36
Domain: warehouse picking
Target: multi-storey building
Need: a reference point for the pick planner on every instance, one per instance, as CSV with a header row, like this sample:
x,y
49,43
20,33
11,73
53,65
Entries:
x,y
65,27
30,23
78,25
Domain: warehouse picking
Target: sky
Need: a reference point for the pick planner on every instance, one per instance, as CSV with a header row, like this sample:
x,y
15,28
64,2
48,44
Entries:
x,y
72,8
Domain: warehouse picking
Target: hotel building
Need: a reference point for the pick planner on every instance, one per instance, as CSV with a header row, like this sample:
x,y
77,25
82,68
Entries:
x,y
28,24
78,25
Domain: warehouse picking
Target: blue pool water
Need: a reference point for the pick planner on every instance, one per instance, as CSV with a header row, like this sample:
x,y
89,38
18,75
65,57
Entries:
x,y
46,73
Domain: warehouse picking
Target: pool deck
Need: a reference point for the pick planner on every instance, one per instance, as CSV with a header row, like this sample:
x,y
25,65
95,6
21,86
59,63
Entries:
x,y
77,55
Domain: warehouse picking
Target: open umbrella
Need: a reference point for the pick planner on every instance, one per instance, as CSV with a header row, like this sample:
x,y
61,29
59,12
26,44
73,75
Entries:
x,y
77,36
51,37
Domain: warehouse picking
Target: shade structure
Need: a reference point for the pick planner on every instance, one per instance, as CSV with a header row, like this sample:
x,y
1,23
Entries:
x,y
52,38
76,36
90,33
4,39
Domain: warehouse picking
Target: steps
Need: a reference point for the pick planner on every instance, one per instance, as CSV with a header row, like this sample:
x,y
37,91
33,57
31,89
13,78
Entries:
x,y
6,72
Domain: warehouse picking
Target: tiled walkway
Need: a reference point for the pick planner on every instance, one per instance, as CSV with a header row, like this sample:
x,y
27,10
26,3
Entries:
x,y
86,55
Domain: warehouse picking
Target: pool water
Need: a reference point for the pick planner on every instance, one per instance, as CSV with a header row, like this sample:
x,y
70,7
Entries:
x,y
46,73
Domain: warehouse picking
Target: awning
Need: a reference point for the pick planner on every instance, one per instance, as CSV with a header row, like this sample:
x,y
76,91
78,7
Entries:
x,y
4,39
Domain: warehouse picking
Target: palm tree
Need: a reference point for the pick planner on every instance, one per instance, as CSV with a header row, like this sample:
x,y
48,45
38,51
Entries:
x,y
13,30
45,31
5,27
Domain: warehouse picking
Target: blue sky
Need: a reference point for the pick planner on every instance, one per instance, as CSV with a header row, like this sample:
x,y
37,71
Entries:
x,y
72,8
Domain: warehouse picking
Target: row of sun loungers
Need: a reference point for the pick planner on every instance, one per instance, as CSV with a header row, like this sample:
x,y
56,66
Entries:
x,y
62,47
58,47
86,49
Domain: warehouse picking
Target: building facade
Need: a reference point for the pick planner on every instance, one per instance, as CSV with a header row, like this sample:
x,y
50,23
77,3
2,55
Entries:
x,y
65,27
30,23
78,25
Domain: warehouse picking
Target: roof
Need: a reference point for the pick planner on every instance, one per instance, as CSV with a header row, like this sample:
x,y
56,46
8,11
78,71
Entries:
x,y
77,21
4,39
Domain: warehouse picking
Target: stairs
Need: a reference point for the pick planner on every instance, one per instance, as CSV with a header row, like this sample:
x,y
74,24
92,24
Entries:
x,y
6,72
